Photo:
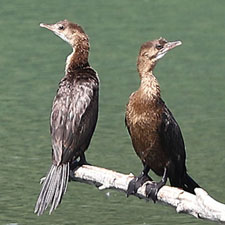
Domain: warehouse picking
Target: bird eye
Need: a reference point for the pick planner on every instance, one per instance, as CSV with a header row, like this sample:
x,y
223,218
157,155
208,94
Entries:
x,y
158,46
60,27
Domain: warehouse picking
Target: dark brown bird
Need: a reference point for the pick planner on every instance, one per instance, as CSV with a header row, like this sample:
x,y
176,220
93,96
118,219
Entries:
x,y
73,117
155,134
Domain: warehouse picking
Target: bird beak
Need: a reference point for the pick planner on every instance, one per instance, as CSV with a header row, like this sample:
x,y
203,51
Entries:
x,y
48,26
168,46
55,30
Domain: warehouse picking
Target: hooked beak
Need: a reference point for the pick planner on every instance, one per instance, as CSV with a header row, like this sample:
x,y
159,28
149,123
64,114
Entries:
x,y
168,46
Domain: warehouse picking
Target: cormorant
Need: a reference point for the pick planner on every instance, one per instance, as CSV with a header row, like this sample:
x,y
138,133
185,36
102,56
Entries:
x,y
74,114
155,134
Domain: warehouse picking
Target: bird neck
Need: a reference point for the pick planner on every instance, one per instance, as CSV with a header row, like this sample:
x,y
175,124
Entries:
x,y
145,65
79,57
150,86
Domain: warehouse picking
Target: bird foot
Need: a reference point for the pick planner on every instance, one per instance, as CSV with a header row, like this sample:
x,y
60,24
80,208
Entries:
x,y
136,183
71,175
74,165
153,188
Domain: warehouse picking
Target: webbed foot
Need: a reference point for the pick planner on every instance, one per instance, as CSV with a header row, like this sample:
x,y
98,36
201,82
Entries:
x,y
153,188
75,164
136,183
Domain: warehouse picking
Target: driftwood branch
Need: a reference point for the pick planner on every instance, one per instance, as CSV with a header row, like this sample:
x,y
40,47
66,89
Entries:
x,y
200,205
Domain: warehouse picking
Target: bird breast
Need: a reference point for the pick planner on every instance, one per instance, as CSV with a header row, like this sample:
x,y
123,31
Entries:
x,y
143,120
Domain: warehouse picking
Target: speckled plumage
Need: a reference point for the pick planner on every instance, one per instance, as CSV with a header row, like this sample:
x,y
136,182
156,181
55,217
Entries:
x,y
74,114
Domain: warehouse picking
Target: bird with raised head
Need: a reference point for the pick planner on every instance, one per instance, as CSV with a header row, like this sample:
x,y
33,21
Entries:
x,y
155,134
73,117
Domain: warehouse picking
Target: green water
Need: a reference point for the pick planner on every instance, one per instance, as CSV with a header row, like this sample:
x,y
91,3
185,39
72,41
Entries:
x,y
191,78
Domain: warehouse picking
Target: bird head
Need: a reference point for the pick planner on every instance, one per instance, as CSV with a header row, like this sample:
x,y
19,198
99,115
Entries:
x,y
152,51
68,31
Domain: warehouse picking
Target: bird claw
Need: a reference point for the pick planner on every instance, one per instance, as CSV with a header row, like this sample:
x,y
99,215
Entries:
x,y
42,180
152,190
132,187
71,175
136,183
75,164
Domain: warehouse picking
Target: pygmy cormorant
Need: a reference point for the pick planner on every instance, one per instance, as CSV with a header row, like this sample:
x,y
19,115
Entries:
x,y
155,134
73,117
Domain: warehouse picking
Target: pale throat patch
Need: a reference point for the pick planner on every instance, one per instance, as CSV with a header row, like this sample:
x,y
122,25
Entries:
x,y
160,55
61,35
68,59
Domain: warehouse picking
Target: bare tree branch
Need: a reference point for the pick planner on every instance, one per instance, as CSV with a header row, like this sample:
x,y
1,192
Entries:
x,y
200,205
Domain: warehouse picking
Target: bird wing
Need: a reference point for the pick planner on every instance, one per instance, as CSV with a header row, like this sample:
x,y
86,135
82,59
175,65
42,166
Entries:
x,y
126,114
127,125
172,139
72,105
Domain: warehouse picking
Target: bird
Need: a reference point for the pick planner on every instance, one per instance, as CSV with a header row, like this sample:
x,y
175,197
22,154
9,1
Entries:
x,y
73,116
156,136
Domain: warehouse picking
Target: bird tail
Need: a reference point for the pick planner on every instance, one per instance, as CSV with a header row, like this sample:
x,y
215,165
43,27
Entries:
x,y
53,188
189,184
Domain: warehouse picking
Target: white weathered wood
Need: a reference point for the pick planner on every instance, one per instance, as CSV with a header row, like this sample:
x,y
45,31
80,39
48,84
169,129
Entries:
x,y
200,205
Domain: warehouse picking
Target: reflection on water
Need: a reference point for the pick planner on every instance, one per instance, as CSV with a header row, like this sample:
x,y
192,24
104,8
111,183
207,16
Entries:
x,y
32,63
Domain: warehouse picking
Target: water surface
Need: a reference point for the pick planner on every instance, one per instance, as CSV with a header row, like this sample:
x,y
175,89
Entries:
x,y
32,63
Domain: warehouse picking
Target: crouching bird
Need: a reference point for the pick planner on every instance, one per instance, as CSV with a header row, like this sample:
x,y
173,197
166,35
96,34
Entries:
x,y
155,134
73,117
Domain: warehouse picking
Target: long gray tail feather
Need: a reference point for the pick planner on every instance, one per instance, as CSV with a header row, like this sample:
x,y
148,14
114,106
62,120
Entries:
x,y
53,188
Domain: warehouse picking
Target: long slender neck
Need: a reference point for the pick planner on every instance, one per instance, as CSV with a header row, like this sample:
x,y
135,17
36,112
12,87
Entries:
x,y
149,86
79,57
144,65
